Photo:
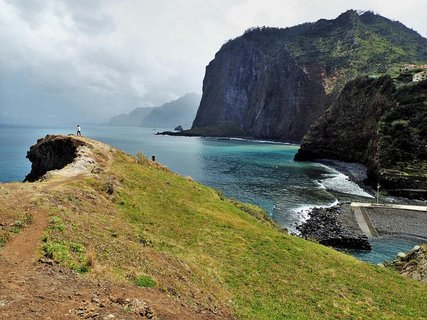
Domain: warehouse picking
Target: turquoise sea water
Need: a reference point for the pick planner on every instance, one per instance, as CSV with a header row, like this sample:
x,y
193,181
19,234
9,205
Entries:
x,y
258,172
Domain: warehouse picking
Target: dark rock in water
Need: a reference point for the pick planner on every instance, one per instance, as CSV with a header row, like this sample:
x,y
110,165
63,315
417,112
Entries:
x,y
334,227
179,128
50,153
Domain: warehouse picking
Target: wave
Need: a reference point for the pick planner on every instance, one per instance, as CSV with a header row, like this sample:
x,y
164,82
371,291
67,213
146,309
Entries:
x,y
337,181
258,141
302,214
304,210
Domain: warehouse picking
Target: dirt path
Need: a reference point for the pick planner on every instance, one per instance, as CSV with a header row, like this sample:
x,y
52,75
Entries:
x,y
31,289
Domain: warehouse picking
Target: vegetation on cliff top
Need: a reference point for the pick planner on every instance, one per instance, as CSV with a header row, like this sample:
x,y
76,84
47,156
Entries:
x,y
351,45
137,222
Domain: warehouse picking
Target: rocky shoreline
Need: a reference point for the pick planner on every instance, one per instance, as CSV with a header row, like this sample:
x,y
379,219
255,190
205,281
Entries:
x,y
336,227
412,264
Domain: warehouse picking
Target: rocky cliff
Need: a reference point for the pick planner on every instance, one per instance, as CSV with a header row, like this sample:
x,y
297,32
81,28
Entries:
x,y
274,83
412,264
51,153
378,124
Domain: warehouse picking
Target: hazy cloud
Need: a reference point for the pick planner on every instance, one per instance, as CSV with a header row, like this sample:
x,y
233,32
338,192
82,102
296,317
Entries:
x,y
85,60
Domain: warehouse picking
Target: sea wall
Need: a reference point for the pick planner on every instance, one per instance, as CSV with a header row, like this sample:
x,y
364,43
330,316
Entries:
x,y
335,227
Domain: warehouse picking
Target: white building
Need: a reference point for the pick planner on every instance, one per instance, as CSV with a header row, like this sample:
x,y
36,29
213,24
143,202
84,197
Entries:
x,y
419,76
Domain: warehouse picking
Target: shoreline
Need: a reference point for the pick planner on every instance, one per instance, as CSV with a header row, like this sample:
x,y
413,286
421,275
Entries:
x,y
225,137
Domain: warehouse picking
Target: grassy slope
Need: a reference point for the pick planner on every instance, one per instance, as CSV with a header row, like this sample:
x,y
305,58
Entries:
x,y
210,253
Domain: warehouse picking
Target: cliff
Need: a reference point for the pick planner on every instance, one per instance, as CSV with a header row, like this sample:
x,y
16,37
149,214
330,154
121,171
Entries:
x,y
111,235
274,83
378,124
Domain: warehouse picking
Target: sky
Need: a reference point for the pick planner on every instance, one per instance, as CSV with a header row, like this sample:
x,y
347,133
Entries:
x,y
83,61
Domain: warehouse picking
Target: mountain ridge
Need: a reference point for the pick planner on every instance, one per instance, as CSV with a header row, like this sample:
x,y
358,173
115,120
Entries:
x,y
180,111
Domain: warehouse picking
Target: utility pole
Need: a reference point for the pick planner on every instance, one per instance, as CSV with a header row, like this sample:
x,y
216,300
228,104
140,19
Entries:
x,y
378,193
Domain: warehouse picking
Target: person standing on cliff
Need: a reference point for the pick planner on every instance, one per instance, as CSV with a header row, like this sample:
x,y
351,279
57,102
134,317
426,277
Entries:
x,y
79,132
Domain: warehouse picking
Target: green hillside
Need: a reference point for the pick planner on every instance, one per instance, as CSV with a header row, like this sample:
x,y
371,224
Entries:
x,y
134,221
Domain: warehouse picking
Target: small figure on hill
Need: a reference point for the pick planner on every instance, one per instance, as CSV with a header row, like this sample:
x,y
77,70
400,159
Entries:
x,y
79,130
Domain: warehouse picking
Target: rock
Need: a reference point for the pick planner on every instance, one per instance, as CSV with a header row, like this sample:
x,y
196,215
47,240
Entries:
x,y
401,255
179,128
110,316
413,264
50,153
95,300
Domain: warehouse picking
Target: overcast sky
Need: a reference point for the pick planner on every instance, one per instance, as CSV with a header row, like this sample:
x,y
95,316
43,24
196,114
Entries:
x,y
63,62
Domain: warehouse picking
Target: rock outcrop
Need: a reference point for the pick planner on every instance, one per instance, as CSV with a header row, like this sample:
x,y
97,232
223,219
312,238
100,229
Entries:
x,y
380,125
412,264
335,227
51,153
274,83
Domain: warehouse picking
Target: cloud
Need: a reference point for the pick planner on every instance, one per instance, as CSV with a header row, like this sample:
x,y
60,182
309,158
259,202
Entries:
x,y
86,60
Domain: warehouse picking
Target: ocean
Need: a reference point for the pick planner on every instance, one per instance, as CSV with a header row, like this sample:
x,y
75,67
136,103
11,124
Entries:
x,y
258,172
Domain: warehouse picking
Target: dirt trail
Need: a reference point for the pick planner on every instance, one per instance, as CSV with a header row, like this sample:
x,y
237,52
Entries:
x,y
31,289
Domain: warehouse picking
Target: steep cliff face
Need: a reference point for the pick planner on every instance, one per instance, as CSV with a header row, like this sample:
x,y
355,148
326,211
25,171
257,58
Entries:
x,y
348,130
374,123
260,95
274,83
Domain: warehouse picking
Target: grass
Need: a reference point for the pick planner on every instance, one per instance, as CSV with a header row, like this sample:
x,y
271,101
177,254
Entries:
x,y
12,221
145,282
212,253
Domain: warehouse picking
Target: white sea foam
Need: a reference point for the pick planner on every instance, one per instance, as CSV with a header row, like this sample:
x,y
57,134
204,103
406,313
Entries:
x,y
260,141
337,181
302,213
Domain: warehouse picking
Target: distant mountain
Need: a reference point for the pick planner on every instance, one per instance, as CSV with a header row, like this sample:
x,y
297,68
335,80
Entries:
x,y
274,83
172,114
132,119
180,112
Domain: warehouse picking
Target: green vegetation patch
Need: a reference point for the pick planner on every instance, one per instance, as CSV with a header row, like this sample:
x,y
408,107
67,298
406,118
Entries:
x,y
145,282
